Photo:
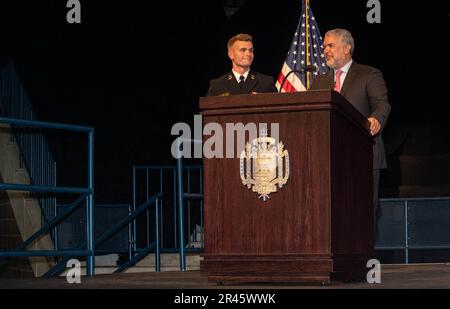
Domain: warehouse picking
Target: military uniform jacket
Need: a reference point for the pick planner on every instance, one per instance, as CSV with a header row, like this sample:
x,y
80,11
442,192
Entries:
x,y
228,85
365,89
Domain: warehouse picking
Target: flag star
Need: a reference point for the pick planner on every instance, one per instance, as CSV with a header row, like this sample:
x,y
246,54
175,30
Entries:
x,y
294,62
314,36
303,43
312,18
303,34
323,64
315,55
315,46
303,52
295,53
296,33
303,25
295,43
315,73
302,62
303,15
313,27
321,56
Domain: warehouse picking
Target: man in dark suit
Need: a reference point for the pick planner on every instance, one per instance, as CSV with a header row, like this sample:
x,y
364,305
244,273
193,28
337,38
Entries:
x,y
241,80
363,86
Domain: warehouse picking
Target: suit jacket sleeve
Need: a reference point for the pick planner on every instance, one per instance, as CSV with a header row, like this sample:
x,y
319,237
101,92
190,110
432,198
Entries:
x,y
378,98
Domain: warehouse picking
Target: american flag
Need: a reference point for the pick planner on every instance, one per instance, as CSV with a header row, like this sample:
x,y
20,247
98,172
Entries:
x,y
296,58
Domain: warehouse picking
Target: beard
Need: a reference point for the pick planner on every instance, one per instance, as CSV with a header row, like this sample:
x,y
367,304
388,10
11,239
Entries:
x,y
332,63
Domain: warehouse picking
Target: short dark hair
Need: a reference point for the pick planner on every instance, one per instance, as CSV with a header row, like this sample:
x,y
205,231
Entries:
x,y
239,37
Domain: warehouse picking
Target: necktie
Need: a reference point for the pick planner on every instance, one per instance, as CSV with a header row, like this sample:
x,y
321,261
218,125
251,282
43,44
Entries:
x,y
337,83
241,80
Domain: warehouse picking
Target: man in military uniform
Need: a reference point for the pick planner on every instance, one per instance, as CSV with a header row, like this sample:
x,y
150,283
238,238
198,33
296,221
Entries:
x,y
241,80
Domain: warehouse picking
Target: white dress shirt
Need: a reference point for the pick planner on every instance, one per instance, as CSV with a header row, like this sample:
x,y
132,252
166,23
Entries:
x,y
237,75
344,70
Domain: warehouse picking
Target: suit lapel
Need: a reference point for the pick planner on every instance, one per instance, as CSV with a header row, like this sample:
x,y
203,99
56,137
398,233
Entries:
x,y
329,80
232,83
249,85
250,82
349,78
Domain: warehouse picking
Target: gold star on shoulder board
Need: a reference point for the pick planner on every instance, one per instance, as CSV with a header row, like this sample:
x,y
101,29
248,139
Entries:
x,y
230,77
252,76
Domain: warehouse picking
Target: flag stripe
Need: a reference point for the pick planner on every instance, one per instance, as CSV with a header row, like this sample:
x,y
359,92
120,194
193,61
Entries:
x,y
296,57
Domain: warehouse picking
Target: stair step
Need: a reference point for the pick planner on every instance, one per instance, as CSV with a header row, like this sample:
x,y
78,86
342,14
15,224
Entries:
x,y
11,144
163,268
167,260
171,260
109,260
103,270
18,204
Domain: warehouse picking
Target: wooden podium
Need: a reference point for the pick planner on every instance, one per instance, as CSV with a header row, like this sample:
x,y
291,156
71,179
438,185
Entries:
x,y
319,226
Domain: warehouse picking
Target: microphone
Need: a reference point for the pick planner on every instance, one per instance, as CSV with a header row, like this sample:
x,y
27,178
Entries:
x,y
309,68
312,68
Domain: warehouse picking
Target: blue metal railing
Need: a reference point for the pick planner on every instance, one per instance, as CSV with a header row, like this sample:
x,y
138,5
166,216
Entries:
x,y
88,193
150,246
72,233
404,232
176,208
182,196
35,154
116,228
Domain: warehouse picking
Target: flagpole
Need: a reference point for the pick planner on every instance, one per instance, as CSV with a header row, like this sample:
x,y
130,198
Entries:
x,y
307,42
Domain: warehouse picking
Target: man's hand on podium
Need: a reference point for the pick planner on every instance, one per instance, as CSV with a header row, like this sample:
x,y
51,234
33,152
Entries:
x,y
374,126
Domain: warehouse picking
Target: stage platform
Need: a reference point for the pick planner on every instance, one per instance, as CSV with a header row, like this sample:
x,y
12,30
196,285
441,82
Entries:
x,y
412,276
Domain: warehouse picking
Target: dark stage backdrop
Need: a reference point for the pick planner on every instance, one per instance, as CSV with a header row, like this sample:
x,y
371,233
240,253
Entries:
x,y
132,69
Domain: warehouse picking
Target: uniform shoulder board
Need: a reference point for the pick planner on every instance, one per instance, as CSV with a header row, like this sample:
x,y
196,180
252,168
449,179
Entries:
x,y
230,77
252,76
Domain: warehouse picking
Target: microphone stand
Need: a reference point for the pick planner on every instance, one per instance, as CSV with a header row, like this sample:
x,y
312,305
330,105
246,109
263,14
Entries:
x,y
302,71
